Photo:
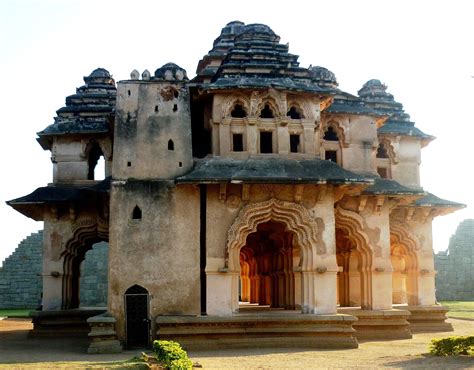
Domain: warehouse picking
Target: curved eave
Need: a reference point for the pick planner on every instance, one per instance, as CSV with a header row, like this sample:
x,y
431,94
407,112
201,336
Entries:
x,y
271,171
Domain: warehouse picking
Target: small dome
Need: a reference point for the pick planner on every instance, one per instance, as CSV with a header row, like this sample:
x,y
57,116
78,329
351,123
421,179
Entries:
x,y
233,28
258,31
374,88
171,72
99,76
323,76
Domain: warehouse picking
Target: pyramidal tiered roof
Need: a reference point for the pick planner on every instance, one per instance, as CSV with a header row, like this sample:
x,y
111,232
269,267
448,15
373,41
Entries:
x,y
375,96
251,56
87,111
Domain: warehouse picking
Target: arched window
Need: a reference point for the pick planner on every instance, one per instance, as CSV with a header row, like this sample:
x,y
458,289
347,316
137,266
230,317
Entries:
x,y
238,112
137,213
330,134
382,151
170,144
294,113
95,154
266,112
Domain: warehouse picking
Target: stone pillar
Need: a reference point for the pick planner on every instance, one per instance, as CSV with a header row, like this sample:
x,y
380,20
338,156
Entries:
x,y
219,293
308,137
283,137
252,136
224,137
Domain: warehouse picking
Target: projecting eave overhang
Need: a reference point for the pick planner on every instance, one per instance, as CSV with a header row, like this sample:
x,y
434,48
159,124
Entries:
x,y
32,205
271,171
391,189
438,205
259,83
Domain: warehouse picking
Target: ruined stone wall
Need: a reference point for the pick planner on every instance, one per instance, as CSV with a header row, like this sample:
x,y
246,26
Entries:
x,y
20,276
455,266
21,283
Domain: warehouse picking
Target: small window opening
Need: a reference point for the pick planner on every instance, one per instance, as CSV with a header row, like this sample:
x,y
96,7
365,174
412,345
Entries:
x,y
176,94
238,112
156,109
330,134
137,213
96,163
383,173
129,93
170,144
266,145
175,107
331,155
294,143
382,151
180,164
266,112
293,113
129,164
237,143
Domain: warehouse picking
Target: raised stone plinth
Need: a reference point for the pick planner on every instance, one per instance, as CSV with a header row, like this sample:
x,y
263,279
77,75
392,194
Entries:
x,y
379,324
66,323
261,330
102,335
428,319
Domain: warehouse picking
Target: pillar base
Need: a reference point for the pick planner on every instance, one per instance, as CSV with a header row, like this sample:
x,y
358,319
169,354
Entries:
x,y
428,319
102,335
262,330
379,324
62,323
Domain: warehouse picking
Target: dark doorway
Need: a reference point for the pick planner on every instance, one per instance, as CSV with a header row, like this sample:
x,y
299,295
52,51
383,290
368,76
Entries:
x,y
266,145
136,317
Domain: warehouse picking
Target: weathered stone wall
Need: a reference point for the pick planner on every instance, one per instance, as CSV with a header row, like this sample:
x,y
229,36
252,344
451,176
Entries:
x,y
20,276
21,283
455,266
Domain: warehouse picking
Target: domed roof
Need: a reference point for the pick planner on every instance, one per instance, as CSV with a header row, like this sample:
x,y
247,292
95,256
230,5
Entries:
x,y
171,72
233,28
99,76
374,88
256,31
323,76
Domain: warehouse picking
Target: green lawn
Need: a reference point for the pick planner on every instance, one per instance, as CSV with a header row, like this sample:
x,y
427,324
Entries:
x,y
15,312
460,309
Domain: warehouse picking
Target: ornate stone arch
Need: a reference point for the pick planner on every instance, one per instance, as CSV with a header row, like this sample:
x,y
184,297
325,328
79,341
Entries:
x,y
296,218
337,127
85,233
231,101
272,103
401,236
300,108
353,224
390,149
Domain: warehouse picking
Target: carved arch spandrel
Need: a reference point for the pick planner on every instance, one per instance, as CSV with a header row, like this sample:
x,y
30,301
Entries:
x,y
231,101
390,148
402,235
338,128
295,217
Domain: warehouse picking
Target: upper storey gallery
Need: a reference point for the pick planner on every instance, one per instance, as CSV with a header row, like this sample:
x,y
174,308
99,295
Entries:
x,y
249,99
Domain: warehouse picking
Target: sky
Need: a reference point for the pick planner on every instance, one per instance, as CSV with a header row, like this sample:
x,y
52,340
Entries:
x,y
423,51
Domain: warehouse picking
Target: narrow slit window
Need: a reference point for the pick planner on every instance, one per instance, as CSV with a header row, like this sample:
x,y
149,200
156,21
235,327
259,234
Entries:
x,y
129,164
175,108
294,143
331,155
266,112
237,143
170,144
266,144
137,213
156,109
180,164
382,151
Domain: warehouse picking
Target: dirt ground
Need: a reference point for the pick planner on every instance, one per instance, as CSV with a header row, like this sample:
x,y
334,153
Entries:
x,y
19,352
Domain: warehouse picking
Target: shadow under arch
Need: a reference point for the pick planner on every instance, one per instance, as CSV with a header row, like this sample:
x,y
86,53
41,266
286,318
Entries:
x,y
406,245
353,226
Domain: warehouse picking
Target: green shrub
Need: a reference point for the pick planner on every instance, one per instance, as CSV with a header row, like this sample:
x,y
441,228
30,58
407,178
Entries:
x,y
172,355
452,346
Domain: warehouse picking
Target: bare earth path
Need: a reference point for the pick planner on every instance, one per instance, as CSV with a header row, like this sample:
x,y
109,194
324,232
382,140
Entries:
x,y
18,352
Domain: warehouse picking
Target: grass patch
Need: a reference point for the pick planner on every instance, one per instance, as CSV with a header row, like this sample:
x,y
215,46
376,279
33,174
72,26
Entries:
x,y
460,309
15,312
132,364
